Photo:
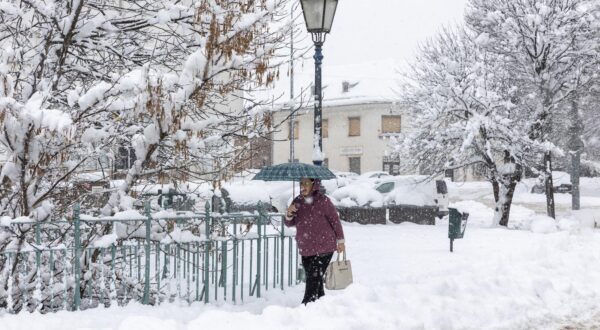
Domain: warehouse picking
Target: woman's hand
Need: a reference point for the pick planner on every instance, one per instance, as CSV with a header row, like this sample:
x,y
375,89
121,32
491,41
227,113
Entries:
x,y
341,247
291,211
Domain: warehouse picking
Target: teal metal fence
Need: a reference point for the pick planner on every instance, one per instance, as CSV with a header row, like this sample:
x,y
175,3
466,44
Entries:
x,y
152,259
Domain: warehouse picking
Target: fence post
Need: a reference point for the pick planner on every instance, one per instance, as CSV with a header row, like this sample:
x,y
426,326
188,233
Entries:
x,y
259,247
77,252
387,215
146,298
282,249
235,261
206,246
38,253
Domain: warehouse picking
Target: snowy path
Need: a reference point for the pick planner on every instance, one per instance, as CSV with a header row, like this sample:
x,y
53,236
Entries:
x,y
588,323
405,278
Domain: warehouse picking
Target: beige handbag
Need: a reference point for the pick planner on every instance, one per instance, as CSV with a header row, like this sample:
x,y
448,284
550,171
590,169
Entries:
x,y
338,274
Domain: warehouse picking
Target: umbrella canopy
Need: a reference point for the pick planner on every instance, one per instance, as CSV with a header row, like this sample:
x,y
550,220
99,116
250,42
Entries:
x,y
293,172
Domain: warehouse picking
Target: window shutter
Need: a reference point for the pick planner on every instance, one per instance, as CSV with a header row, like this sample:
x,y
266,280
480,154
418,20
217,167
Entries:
x,y
391,124
354,126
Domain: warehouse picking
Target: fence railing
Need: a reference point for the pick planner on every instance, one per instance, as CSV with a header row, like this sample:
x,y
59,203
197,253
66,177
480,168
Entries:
x,y
150,258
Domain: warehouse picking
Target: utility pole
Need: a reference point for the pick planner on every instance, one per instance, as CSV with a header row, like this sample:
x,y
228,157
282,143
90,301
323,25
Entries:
x,y
291,104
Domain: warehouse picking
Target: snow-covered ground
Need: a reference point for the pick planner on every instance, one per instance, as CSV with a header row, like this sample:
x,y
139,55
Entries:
x,y
482,192
543,275
405,278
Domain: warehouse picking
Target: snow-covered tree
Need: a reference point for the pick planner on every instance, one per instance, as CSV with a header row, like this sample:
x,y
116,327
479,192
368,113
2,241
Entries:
x,y
161,75
543,43
80,77
464,107
591,134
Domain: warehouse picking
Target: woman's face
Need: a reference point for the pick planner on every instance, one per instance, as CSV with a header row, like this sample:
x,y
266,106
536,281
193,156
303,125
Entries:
x,y
305,187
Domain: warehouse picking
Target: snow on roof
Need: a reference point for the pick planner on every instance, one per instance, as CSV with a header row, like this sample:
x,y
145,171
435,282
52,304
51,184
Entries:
x,y
360,83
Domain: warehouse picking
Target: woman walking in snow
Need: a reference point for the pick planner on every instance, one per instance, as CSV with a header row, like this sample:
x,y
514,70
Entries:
x,y
319,233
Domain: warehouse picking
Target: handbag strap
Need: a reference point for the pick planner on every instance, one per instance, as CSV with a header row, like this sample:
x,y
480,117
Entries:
x,y
338,256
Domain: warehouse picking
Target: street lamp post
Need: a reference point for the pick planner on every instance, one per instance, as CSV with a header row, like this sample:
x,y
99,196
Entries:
x,y
318,15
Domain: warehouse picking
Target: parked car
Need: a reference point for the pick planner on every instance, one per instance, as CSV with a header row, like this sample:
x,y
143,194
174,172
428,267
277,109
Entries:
x,y
374,175
561,183
415,190
246,194
358,193
346,175
564,188
341,179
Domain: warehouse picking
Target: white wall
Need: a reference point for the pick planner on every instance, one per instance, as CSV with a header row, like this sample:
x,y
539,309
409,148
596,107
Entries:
x,y
370,146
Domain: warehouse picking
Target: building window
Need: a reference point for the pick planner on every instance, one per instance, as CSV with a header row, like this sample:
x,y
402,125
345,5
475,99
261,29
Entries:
x,y
391,165
296,130
125,158
354,126
326,162
354,164
480,171
449,174
391,124
325,128
345,86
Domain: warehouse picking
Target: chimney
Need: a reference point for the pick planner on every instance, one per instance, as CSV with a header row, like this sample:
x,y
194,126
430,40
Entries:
x,y
345,86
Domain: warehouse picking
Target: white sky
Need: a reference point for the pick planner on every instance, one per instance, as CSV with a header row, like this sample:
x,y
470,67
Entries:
x,y
370,41
369,30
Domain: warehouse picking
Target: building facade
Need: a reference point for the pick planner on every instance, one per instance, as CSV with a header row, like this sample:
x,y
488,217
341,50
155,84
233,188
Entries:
x,y
361,115
355,136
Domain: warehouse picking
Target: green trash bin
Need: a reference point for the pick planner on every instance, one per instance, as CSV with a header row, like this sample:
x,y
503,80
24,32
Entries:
x,y
457,224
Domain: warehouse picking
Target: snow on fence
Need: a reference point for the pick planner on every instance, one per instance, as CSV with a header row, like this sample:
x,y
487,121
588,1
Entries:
x,y
151,259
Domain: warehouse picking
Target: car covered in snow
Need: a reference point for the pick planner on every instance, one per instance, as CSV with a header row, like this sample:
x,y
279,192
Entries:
x,y
417,190
561,183
341,179
357,194
374,175
345,175
246,193
373,190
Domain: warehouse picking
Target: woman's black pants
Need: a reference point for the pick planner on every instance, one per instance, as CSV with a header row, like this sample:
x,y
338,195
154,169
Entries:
x,y
314,267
